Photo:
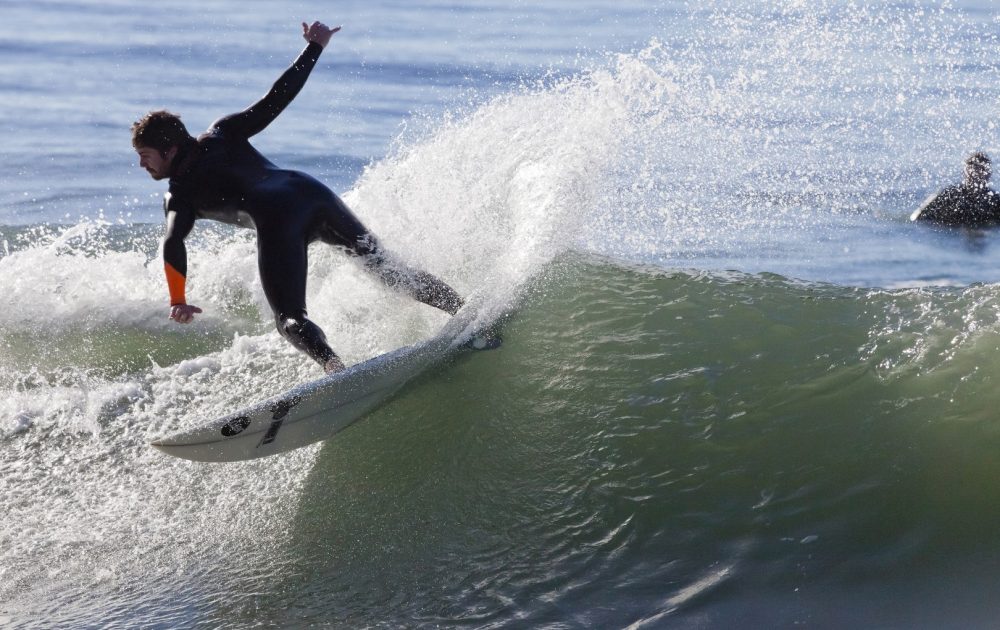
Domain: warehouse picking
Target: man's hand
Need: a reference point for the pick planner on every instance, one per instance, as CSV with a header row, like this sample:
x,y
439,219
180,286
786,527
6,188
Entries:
x,y
318,32
183,313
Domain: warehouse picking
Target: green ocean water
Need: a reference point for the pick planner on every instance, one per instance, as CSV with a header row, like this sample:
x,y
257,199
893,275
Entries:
x,y
648,447
667,447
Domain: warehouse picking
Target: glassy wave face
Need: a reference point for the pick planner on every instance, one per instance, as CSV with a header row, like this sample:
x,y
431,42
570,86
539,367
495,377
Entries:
x,y
648,445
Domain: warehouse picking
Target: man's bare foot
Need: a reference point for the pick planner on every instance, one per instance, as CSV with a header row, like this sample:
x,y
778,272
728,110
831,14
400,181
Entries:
x,y
334,365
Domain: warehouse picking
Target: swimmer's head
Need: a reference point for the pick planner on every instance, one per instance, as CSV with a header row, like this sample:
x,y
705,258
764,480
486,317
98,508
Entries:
x,y
978,169
157,137
160,130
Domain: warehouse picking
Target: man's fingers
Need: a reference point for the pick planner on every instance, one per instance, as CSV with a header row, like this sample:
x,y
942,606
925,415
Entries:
x,y
184,315
318,24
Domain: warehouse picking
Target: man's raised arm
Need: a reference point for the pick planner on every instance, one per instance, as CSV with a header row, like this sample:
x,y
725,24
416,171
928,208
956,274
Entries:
x,y
258,116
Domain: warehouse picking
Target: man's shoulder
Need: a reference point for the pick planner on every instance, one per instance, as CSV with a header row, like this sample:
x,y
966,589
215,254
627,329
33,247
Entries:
x,y
948,194
176,199
960,205
212,134
225,128
183,188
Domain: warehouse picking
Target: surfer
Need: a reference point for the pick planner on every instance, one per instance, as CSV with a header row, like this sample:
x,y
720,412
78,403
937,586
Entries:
x,y
969,204
220,176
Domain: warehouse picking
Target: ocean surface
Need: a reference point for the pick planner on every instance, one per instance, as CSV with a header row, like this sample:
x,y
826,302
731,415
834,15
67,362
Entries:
x,y
738,389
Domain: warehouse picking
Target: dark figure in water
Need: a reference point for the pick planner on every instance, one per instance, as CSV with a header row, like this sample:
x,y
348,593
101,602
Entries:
x,y
970,204
220,176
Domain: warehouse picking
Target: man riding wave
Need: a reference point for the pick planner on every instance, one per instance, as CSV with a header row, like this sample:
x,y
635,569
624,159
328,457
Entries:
x,y
220,176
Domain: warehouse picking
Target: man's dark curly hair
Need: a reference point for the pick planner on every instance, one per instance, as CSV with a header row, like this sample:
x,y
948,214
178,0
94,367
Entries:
x,y
160,130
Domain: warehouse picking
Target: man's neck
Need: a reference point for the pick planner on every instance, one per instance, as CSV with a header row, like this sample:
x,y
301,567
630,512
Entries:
x,y
182,160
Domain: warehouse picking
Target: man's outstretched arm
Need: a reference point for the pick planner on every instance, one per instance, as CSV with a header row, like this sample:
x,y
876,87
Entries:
x,y
258,116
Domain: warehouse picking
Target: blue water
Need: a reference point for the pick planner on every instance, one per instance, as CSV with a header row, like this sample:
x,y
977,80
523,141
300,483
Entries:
x,y
741,390
773,138
71,93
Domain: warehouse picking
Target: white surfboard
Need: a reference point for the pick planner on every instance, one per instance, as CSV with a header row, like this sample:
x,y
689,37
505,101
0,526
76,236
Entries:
x,y
317,410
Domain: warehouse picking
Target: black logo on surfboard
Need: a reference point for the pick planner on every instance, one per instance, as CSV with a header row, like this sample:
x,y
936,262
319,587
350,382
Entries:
x,y
279,410
235,426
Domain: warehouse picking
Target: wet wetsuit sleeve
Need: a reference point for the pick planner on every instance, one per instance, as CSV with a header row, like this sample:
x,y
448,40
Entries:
x,y
255,118
180,220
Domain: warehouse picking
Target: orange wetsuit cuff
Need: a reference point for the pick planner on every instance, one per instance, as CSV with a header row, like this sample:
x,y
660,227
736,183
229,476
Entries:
x,y
175,283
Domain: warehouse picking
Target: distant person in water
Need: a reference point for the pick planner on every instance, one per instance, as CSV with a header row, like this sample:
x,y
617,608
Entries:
x,y
220,176
970,204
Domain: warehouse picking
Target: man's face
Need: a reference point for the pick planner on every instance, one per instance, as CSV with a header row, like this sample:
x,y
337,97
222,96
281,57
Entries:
x,y
156,163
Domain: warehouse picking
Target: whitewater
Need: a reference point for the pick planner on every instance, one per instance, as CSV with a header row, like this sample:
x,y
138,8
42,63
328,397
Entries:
x,y
737,387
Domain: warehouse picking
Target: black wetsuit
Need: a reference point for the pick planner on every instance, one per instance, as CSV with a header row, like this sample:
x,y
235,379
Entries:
x,y
222,177
965,205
